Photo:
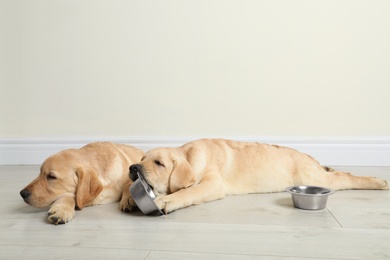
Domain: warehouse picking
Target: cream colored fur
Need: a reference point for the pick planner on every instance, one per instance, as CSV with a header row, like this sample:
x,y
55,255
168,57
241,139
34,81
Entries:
x,y
94,174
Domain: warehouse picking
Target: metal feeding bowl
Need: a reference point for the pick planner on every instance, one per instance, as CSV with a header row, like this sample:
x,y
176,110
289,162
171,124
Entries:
x,y
144,196
309,197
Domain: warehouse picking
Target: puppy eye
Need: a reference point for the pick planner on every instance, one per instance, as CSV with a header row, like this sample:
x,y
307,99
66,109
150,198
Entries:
x,y
51,176
158,163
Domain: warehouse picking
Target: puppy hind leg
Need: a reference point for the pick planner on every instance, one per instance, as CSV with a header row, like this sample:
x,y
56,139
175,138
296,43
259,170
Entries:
x,y
345,180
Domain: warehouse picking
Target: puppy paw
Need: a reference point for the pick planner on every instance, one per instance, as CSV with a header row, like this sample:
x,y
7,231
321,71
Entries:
x,y
160,203
60,215
385,185
127,204
166,204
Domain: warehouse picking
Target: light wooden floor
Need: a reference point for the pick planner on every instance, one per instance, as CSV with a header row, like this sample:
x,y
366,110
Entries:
x,y
355,225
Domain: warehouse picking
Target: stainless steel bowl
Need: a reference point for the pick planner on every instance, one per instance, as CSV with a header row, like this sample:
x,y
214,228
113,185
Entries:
x,y
144,197
309,197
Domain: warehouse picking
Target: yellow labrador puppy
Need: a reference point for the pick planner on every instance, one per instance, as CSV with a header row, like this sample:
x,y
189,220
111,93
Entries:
x,y
208,169
94,174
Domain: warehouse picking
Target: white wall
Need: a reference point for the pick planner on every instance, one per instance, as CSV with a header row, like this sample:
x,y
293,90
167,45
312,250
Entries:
x,y
194,68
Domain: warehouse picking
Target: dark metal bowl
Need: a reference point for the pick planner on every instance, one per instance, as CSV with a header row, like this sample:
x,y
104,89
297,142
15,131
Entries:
x,y
309,197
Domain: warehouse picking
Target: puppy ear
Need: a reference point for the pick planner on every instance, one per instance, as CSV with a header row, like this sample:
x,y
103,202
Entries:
x,y
88,186
182,176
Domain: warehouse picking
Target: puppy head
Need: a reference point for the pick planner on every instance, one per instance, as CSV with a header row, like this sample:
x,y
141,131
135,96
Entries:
x,y
166,170
63,175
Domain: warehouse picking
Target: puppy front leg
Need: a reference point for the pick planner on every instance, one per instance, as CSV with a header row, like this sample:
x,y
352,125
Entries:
x,y
62,210
209,189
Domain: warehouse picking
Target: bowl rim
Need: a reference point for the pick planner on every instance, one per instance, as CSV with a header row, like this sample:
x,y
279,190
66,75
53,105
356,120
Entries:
x,y
328,191
146,186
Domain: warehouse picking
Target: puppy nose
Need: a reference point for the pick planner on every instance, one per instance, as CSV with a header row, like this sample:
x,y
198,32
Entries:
x,y
133,171
24,193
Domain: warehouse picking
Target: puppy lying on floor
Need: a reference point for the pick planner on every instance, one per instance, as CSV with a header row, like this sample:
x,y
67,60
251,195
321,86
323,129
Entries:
x,y
209,169
94,174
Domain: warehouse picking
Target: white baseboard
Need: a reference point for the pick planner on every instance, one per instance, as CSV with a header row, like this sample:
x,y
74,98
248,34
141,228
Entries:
x,y
328,151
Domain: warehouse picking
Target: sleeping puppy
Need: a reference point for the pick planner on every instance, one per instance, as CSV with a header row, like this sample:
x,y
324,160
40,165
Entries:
x,y
75,178
210,169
